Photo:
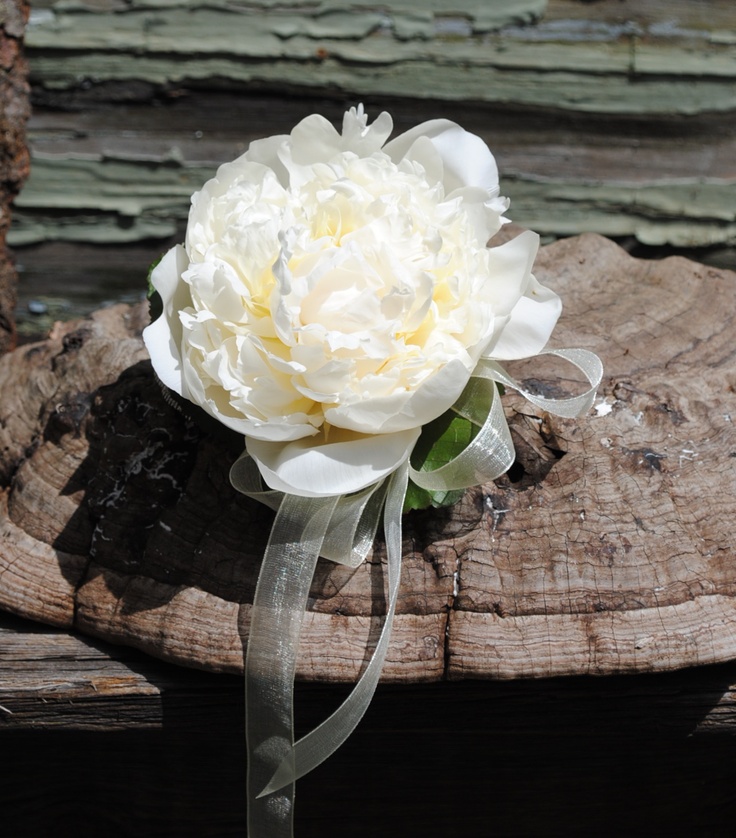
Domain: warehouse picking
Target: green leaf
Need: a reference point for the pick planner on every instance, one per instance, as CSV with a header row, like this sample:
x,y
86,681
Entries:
x,y
440,441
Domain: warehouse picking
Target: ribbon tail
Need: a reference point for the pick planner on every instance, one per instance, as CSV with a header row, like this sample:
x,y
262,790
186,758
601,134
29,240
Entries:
x,y
325,739
276,620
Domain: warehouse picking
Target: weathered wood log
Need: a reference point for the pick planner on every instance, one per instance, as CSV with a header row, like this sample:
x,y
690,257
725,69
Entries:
x,y
14,111
606,549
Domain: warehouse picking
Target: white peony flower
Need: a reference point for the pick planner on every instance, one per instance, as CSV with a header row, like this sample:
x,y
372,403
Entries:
x,y
335,293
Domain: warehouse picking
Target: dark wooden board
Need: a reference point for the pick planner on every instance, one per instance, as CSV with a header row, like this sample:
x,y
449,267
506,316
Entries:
x,y
104,740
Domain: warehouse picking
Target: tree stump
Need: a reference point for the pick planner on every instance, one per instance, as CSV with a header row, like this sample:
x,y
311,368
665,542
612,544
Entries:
x,y
14,160
606,549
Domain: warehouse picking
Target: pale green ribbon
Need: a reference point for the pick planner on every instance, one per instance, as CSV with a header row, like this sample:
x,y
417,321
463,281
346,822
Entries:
x,y
342,529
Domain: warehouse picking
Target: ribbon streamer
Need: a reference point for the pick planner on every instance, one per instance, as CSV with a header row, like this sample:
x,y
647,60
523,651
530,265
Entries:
x,y
306,528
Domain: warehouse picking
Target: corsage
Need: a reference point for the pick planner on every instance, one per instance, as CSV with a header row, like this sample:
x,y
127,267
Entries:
x,y
336,302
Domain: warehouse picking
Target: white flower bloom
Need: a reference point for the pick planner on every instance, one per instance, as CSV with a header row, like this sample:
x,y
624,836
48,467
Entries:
x,y
335,292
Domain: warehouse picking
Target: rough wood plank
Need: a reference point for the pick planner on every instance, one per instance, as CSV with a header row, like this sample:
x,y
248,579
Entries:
x,y
161,749
607,548
54,680
616,118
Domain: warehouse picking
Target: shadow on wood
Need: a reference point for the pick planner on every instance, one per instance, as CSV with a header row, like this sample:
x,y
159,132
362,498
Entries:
x,y
158,750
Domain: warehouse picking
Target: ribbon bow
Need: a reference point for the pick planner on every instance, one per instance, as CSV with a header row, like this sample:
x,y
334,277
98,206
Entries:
x,y
342,528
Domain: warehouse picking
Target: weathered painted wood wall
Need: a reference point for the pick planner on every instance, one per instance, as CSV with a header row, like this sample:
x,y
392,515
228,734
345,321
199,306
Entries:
x,y
617,117
660,165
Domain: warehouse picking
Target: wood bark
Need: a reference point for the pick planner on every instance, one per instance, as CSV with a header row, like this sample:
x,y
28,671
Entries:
x,y
606,549
14,160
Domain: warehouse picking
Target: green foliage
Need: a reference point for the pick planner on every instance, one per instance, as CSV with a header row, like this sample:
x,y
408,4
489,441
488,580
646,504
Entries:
x,y
441,441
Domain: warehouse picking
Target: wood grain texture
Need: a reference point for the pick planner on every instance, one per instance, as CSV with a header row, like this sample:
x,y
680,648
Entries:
x,y
607,548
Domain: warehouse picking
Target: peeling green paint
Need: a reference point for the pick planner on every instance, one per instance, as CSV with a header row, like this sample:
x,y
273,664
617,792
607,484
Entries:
x,y
445,79
638,62
117,199
104,199
696,213
473,50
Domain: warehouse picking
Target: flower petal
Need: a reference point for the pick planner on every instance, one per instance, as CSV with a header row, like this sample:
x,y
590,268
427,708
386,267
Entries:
x,y
511,266
266,152
529,326
345,462
361,138
466,158
404,410
422,151
314,140
163,336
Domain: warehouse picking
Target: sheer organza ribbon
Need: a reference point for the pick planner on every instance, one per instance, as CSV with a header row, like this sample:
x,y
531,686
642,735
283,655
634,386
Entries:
x,y
342,529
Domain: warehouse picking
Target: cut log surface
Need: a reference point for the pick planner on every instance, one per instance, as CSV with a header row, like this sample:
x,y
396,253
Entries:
x,y
606,549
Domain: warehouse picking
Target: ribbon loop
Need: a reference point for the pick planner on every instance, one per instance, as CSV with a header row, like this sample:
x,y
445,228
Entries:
x,y
587,362
246,479
354,522
342,528
491,452
488,456
325,739
304,529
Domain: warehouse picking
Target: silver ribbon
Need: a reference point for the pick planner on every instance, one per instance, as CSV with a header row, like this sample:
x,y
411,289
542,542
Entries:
x,y
306,528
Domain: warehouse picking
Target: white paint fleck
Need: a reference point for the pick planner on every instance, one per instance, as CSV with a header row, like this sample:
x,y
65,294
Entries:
x,y
164,526
453,26
603,408
688,455
41,17
496,513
